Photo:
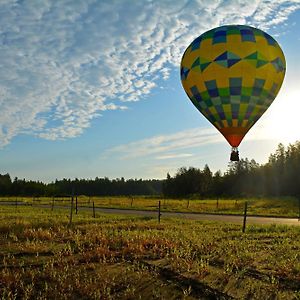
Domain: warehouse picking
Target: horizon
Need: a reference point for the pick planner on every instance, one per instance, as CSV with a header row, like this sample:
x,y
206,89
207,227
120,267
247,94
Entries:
x,y
229,165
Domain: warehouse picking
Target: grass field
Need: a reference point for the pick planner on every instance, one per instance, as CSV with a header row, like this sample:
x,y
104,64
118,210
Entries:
x,y
286,207
114,257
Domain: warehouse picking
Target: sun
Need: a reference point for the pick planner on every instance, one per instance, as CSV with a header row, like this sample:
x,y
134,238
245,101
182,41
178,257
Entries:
x,y
281,121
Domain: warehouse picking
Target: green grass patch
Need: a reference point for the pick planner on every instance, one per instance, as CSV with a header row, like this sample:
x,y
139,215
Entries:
x,y
120,257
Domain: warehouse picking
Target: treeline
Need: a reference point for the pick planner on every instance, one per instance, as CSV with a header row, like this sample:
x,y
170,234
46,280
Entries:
x,y
246,178
89,187
279,177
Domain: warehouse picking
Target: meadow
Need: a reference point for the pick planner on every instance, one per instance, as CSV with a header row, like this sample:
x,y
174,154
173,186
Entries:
x,y
283,207
42,256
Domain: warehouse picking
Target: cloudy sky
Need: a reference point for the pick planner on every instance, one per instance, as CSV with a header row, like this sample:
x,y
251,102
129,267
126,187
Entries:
x,y
91,88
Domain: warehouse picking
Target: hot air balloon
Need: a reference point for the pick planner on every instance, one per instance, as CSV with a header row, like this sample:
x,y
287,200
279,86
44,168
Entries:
x,y
232,74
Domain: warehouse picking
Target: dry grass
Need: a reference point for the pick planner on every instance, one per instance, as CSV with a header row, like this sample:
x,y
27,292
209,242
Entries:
x,y
114,257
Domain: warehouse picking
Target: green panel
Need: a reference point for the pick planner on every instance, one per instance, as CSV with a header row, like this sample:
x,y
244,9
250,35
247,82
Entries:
x,y
205,95
264,95
233,30
246,91
223,92
209,34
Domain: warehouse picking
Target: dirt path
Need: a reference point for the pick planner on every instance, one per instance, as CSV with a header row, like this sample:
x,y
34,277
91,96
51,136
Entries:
x,y
205,217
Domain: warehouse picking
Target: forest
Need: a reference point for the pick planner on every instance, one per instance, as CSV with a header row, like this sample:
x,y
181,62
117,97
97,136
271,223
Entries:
x,y
246,178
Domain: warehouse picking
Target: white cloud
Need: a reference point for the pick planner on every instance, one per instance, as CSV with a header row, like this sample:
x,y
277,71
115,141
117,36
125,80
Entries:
x,y
173,155
165,146
65,62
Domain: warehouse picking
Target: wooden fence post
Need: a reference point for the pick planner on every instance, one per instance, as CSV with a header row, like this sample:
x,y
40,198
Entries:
x,y
76,203
245,216
71,211
159,214
94,214
188,203
52,207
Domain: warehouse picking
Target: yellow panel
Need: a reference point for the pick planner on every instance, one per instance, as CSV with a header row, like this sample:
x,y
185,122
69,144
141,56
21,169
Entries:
x,y
248,48
261,41
205,44
200,83
225,123
264,50
277,78
233,39
269,83
256,110
218,49
210,72
189,59
227,108
280,77
243,107
213,110
275,52
244,123
249,74
247,64
205,50
263,72
223,80
236,49
194,78
235,71
234,123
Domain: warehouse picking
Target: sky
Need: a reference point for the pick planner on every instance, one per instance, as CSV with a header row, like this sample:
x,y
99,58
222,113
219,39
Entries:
x,y
92,88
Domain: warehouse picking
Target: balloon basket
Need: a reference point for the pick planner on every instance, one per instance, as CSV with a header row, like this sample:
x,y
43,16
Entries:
x,y
234,156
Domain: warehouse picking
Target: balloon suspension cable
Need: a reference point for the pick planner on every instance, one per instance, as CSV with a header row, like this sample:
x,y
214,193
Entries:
x,y
234,156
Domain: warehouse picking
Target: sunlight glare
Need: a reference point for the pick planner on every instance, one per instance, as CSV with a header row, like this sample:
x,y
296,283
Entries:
x,y
281,120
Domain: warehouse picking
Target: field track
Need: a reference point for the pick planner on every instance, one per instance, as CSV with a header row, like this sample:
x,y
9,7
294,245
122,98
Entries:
x,y
205,217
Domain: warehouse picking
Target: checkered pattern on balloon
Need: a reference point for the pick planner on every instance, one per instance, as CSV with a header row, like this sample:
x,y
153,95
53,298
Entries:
x,y
232,74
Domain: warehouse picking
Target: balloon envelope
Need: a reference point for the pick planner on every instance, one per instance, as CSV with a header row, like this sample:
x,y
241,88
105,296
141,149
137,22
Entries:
x,y
232,74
